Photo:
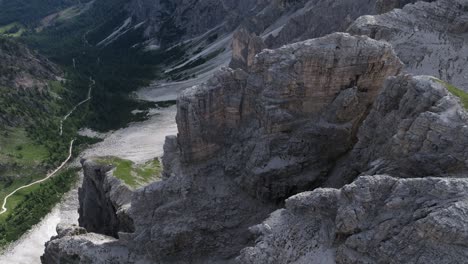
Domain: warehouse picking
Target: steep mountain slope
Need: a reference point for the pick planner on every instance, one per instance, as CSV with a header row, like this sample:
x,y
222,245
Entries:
x,y
33,97
21,73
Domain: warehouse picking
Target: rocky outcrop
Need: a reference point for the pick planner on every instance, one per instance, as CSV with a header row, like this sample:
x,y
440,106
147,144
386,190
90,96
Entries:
x,y
299,108
104,201
384,6
376,219
247,141
317,18
415,129
429,37
245,46
74,245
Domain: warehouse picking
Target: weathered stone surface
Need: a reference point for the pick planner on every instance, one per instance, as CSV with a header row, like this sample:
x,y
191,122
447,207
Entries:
x,y
430,38
376,219
248,140
298,109
167,22
317,18
245,46
310,114
415,129
384,6
74,245
104,201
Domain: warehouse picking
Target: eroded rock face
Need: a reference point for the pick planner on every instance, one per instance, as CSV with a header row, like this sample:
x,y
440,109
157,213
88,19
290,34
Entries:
x,y
248,140
299,108
317,18
172,21
74,245
245,46
430,38
376,219
104,201
415,129
384,6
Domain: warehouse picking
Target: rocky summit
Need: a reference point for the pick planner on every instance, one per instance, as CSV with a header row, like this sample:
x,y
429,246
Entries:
x,y
313,146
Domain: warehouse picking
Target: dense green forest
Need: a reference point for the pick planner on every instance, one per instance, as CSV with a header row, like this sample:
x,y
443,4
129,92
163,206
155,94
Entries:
x,y
118,68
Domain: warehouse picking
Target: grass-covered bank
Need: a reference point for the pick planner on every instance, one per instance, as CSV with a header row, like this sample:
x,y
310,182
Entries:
x,y
32,204
134,175
455,91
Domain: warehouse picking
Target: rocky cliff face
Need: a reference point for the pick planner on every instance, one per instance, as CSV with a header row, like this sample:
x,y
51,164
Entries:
x,y
287,121
169,21
293,102
248,140
376,219
415,129
429,37
104,201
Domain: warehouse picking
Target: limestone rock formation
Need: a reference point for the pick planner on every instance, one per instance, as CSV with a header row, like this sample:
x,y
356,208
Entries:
x,y
104,201
74,245
429,37
245,46
317,18
384,6
247,141
285,121
296,101
416,128
376,219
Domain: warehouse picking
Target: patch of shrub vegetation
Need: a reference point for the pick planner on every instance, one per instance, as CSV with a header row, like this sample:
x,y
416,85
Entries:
x,y
133,175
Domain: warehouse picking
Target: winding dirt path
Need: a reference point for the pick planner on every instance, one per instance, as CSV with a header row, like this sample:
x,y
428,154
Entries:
x,y
91,85
5,200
